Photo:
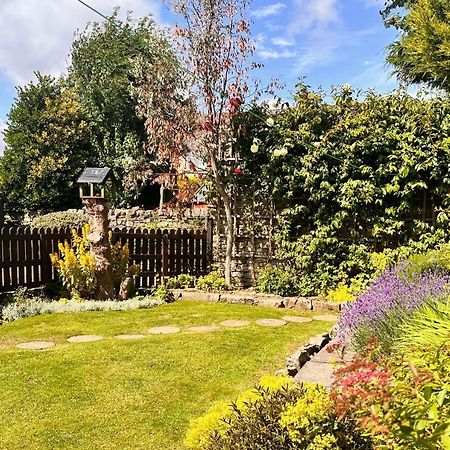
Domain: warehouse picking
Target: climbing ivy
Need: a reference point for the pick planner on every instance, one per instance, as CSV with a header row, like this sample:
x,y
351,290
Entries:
x,y
358,181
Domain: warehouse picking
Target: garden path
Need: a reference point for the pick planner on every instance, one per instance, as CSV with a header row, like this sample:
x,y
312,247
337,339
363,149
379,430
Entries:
x,y
322,365
170,329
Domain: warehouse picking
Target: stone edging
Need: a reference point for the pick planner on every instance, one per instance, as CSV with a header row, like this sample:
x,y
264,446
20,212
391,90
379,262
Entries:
x,y
255,299
304,354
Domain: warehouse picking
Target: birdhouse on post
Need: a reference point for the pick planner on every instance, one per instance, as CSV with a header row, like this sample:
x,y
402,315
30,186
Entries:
x,y
95,185
95,182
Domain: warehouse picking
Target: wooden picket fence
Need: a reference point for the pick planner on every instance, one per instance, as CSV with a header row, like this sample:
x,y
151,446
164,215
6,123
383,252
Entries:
x,y
25,254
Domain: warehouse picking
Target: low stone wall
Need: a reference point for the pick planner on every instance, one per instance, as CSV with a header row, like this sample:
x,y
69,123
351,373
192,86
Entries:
x,y
137,217
304,354
256,299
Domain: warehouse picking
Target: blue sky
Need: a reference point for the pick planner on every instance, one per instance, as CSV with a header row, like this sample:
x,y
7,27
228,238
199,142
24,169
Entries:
x,y
330,42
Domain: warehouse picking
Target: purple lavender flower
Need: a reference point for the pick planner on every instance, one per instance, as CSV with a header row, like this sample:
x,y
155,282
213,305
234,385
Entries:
x,y
392,297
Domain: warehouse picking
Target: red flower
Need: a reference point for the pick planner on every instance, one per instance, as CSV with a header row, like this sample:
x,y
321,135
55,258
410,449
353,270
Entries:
x,y
237,170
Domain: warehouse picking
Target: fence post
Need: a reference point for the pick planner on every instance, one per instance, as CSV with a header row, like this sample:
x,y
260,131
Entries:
x,y
165,255
209,240
44,256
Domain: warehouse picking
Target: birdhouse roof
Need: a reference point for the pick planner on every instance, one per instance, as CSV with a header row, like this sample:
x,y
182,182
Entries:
x,y
97,175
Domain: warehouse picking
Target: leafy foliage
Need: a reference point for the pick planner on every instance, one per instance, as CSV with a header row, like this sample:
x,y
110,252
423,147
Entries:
x,y
401,403
182,281
37,306
103,60
47,145
276,414
60,219
213,282
363,182
277,281
422,51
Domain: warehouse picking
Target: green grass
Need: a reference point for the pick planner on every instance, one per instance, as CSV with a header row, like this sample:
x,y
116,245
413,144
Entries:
x,y
132,394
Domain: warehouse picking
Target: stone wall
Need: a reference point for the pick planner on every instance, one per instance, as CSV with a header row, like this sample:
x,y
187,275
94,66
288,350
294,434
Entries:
x,y
137,217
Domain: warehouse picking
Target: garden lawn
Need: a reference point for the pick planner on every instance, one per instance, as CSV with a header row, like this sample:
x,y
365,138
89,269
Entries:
x,y
132,394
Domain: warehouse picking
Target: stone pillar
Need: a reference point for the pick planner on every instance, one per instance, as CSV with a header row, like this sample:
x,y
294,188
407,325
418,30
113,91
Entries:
x,y
97,211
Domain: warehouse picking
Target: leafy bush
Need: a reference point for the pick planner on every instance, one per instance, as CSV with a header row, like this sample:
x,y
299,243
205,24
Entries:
x,y
213,282
182,281
433,261
400,402
77,269
277,281
60,219
392,298
275,415
36,306
342,294
163,293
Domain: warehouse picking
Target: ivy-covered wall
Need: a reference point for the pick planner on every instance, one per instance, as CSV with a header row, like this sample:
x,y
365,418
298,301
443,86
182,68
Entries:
x,y
357,181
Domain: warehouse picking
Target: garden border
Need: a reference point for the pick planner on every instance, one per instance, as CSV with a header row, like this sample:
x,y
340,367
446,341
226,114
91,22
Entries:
x,y
256,299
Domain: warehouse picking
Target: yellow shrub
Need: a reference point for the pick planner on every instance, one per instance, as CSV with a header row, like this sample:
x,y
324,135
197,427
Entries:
x,y
77,269
200,430
76,266
341,294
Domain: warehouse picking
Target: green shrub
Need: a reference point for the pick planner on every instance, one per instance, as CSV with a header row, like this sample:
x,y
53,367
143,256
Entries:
x,y
163,293
277,281
276,415
182,281
213,282
60,219
432,261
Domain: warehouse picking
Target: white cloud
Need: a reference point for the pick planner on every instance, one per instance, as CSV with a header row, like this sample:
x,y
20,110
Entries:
x,y
283,42
327,46
269,10
309,14
36,34
270,53
375,76
265,52
2,142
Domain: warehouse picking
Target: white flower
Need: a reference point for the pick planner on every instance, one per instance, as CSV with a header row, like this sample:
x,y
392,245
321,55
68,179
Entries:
x,y
276,152
254,148
270,122
283,151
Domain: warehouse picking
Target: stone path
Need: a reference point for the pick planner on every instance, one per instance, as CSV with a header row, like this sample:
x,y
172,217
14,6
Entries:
x,y
170,329
322,365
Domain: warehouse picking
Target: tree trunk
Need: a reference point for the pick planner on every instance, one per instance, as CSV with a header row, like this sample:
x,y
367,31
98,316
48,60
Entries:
x,y
227,203
229,241
97,211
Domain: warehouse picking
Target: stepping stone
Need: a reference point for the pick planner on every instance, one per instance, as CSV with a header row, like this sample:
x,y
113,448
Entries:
x,y
235,323
35,345
325,318
164,330
297,319
85,338
204,329
129,337
271,322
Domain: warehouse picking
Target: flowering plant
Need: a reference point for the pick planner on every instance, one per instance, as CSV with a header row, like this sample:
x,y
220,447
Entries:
x,y
391,299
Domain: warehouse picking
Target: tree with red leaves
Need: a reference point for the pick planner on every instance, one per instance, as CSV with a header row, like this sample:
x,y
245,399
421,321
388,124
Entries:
x,y
215,59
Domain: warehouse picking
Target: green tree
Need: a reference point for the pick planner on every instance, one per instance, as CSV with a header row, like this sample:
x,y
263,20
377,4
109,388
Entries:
x,y
47,144
103,62
422,50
